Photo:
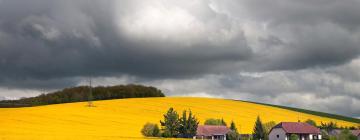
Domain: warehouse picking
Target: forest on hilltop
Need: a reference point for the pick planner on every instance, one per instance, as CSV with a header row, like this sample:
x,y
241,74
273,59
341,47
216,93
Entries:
x,y
82,93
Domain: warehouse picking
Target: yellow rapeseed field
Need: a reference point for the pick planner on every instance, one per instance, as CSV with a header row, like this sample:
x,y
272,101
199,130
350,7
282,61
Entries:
x,y
124,118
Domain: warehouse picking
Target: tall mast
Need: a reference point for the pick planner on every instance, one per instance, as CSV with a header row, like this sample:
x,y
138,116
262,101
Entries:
x,y
90,96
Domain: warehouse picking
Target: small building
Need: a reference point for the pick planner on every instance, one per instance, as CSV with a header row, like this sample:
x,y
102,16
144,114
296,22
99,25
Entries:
x,y
211,132
304,131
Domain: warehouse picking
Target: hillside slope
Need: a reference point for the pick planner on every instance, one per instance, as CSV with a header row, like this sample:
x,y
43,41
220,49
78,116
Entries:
x,y
123,118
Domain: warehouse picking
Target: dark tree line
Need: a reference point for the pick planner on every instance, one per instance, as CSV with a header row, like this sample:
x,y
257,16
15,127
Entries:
x,y
81,93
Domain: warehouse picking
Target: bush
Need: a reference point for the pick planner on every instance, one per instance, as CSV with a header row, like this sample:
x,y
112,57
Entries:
x,y
346,135
294,137
233,135
150,130
311,122
267,127
212,121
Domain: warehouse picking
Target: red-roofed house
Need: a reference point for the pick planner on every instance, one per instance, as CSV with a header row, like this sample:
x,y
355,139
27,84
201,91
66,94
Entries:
x,y
213,132
283,130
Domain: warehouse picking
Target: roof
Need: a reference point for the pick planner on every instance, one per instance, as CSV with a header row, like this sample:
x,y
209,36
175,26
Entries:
x,y
210,130
298,128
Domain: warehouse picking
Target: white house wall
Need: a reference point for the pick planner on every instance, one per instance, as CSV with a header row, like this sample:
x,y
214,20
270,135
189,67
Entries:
x,y
277,131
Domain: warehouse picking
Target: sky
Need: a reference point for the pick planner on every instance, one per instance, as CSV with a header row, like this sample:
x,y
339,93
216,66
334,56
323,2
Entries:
x,y
288,52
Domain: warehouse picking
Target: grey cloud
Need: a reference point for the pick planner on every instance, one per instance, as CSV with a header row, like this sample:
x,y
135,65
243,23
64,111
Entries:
x,y
306,33
57,40
322,90
305,49
325,45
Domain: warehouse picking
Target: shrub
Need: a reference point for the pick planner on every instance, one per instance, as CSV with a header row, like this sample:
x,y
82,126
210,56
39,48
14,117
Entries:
x,y
213,121
267,127
150,130
233,135
294,137
311,122
346,135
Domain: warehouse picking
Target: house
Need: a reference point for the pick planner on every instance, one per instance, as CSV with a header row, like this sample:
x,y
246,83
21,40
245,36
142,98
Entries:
x,y
283,130
212,132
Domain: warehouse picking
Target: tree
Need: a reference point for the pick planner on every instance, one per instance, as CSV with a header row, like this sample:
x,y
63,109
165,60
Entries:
x,y
311,122
233,126
212,121
328,126
150,130
294,137
259,132
188,125
223,122
170,123
193,124
346,135
325,135
233,134
267,127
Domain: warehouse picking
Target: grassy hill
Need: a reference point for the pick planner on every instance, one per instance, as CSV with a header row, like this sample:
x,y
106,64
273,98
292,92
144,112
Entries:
x,y
124,118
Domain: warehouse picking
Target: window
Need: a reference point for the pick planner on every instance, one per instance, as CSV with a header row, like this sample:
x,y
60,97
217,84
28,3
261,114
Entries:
x,y
277,136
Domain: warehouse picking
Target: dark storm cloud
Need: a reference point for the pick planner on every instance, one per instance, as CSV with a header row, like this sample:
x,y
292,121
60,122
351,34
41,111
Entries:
x,y
45,40
307,33
315,47
284,50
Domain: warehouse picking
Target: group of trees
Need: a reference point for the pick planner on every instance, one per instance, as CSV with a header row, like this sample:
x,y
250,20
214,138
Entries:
x,y
173,125
82,93
184,127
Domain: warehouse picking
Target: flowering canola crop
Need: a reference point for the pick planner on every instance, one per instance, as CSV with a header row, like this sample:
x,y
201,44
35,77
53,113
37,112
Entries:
x,y
124,118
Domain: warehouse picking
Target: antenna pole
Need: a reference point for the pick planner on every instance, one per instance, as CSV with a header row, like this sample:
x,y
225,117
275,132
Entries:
x,y
90,96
